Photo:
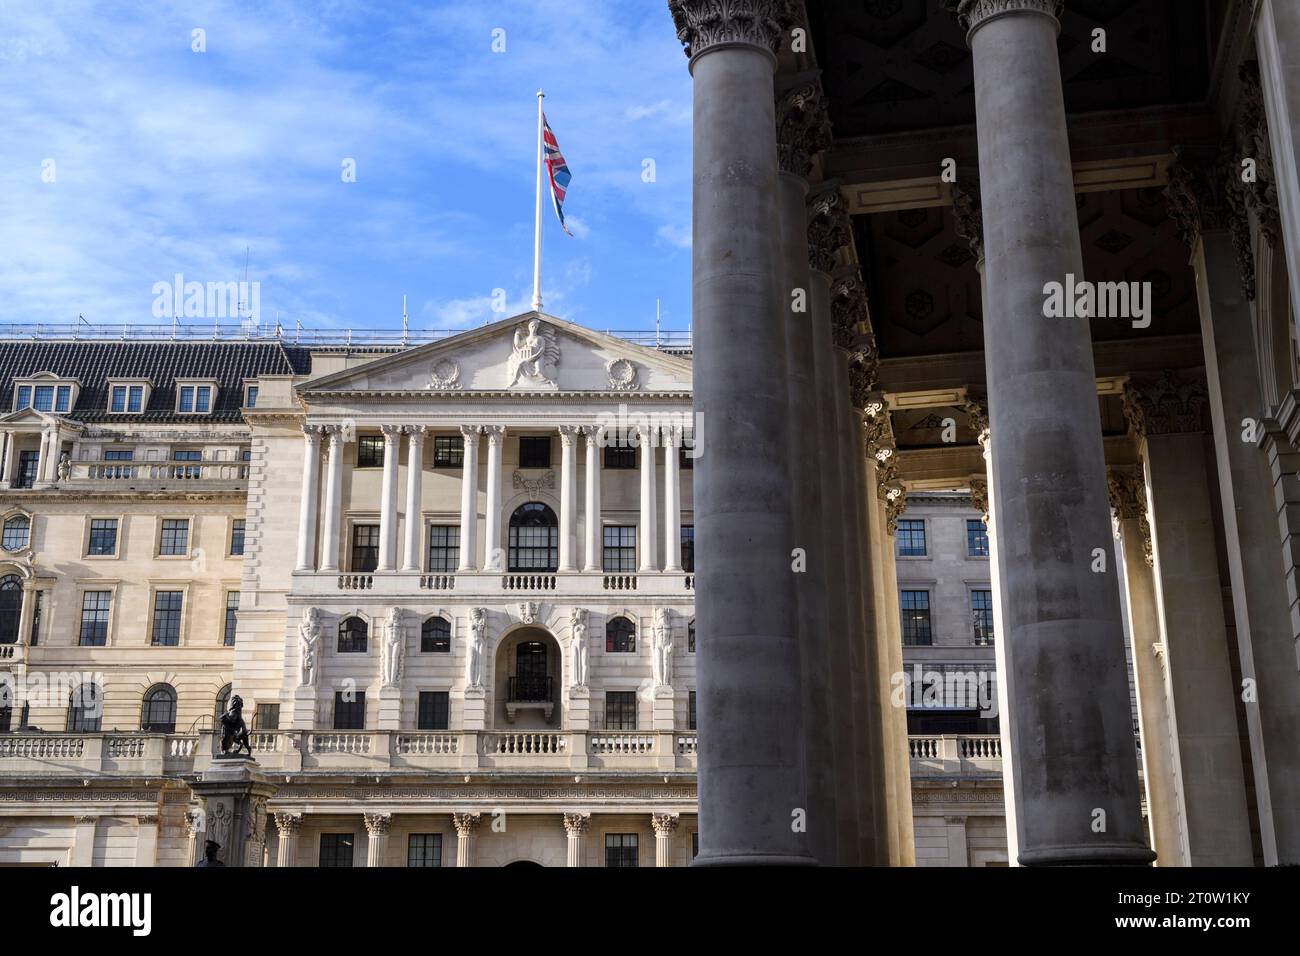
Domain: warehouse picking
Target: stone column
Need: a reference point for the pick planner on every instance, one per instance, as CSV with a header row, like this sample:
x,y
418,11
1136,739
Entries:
x,y
146,839
308,502
329,549
194,837
388,498
665,825
466,824
568,498
646,439
1128,496
1206,199
494,558
412,558
83,841
576,826
1165,413
672,440
377,826
469,500
751,768
43,462
1076,759
593,528
7,464
288,825
828,233
1277,40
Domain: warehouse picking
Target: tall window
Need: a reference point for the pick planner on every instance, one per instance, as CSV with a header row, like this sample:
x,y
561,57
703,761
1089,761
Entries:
x,y
370,451
232,618
448,451
424,849
620,548
167,618
17,532
534,538
620,849
911,537
85,709
29,463
353,634
434,710
690,717
103,537
237,530
981,613
977,538
175,539
250,396
221,703
690,636
444,547
535,452
620,636
336,849
365,547
916,618
350,710
158,715
620,456
435,636
266,717
95,606
688,548
11,607
620,710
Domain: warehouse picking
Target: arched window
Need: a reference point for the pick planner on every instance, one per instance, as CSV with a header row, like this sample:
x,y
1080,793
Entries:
x,y
435,636
17,532
85,709
353,632
620,635
690,636
534,538
158,716
11,607
223,701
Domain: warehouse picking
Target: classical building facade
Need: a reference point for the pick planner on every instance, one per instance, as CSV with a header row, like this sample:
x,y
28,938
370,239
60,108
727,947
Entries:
x,y
1048,254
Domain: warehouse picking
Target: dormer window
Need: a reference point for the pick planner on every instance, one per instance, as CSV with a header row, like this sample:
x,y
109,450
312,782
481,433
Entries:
x,y
127,398
195,398
45,393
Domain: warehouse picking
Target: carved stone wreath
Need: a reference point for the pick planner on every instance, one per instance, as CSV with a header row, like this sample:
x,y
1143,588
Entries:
x,y
445,375
546,480
622,375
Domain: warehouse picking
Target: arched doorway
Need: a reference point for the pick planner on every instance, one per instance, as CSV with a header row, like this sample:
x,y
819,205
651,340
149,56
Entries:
x,y
523,864
526,680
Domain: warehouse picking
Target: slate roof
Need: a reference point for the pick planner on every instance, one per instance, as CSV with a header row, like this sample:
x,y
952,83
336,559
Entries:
x,y
229,364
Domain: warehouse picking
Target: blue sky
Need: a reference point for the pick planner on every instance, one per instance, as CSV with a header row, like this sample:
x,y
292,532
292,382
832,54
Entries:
x,y
170,161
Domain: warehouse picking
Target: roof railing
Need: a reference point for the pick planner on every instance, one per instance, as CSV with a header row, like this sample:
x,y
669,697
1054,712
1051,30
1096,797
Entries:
x,y
671,341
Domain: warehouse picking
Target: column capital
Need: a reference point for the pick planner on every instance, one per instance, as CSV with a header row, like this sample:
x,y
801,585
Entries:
x,y
312,433
577,823
415,431
593,433
288,823
973,14
1168,403
803,128
496,434
1128,496
979,495
671,436
849,310
976,406
1205,194
829,229
664,823
1252,136
864,367
377,823
969,214
391,433
568,433
337,434
879,428
895,494
471,431
705,25
465,823
646,435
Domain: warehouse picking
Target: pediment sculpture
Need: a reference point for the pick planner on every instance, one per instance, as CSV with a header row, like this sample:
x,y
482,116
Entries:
x,y
535,356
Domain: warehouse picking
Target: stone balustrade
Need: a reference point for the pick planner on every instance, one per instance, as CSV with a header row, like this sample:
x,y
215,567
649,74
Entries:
x,y
293,750
99,472
945,754
675,584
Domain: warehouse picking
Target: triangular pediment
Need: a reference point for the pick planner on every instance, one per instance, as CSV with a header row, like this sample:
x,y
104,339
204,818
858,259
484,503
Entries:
x,y
529,353
30,416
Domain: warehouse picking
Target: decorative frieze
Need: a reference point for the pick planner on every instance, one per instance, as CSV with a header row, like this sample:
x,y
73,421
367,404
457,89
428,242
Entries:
x,y
1165,404
704,24
802,128
829,228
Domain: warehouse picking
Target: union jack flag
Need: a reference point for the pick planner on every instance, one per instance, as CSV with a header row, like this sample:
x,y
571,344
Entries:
x,y
557,169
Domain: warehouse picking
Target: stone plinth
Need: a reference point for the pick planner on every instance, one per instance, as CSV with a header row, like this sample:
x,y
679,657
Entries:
x,y
475,712
390,708
304,708
232,796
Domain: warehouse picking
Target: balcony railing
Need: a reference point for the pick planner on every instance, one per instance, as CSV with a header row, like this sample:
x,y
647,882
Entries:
x,y
125,472
560,585
288,751
528,690
955,754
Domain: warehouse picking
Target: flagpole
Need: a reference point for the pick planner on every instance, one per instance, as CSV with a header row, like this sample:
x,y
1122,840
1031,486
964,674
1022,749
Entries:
x,y
537,238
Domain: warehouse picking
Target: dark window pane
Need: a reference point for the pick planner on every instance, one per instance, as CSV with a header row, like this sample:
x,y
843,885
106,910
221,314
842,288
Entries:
x,y
103,536
691,717
266,717
159,713
237,527
365,547
620,849
915,615
688,548
981,610
232,611
95,606
448,451
534,539
619,549
17,532
620,636
350,710
11,608
911,537
167,617
535,452
424,849
336,849
370,451
353,634
617,456
977,538
175,539
620,710
435,636
434,710
85,709
444,547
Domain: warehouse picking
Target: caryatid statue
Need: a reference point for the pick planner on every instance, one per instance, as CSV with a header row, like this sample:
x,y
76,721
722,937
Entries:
x,y
477,644
394,647
578,647
663,647
308,639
